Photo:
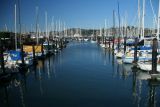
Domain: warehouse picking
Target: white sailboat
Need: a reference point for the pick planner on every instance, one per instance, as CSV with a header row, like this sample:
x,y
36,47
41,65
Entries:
x,y
148,66
93,38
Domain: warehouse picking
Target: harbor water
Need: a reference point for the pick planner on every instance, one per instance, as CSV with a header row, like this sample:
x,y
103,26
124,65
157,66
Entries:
x,y
81,75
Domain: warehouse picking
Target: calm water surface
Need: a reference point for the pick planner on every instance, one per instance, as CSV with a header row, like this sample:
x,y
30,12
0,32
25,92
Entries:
x,y
81,75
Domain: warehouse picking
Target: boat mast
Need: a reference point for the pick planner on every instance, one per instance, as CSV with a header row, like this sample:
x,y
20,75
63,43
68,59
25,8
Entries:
x,y
19,22
143,18
62,28
154,15
100,31
105,32
66,30
158,21
108,28
37,33
139,19
113,29
15,26
59,26
119,20
46,24
5,27
56,28
80,32
52,26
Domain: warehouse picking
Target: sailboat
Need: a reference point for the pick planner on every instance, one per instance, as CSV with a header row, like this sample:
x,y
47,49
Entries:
x,y
93,38
28,48
148,66
14,57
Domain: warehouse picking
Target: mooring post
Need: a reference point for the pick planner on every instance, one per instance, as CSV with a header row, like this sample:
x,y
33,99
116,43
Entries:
x,y
53,44
118,43
135,50
2,57
22,54
56,41
109,43
62,43
103,39
34,56
154,56
65,42
48,46
105,42
109,55
125,44
98,39
113,44
42,49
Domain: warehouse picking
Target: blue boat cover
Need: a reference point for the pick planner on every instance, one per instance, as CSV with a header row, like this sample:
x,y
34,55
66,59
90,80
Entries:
x,y
143,48
15,55
130,43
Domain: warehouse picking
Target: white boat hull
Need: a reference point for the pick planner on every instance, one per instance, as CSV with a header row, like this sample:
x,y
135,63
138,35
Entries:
x,y
147,66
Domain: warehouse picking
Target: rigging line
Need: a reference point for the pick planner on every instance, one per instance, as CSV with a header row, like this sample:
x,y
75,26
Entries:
x,y
119,20
154,15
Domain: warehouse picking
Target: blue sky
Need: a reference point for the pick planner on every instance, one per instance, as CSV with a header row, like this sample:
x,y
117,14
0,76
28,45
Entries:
x,y
76,13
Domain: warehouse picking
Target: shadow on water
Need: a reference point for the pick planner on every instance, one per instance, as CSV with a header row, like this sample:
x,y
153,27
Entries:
x,y
134,84
105,58
126,71
113,59
144,89
109,55
153,86
23,88
136,92
40,71
17,85
4,96
114,69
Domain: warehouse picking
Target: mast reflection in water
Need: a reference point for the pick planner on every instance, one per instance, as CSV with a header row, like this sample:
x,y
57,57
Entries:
x,y
81,75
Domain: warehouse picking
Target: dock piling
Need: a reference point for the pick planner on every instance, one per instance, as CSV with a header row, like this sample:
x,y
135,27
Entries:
x,y
48,46
22,54
109,43
118,44
34,56
42,49
135,50
154,56
113,44
105,42
125,44
2,57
